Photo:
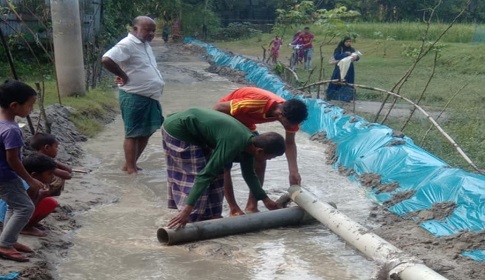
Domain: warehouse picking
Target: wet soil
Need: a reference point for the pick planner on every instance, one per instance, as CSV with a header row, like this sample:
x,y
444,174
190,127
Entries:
x,y
442,254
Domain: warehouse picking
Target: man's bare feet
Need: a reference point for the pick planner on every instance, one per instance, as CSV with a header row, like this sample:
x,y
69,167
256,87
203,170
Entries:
x,y
237,212
251,206
251,210
22,248
33,231
130,170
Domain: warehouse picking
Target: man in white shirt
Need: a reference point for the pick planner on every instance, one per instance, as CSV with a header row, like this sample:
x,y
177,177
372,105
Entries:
x,y
140,88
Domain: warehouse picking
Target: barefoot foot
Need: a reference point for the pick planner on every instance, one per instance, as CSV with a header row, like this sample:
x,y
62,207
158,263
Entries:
x,y
33,231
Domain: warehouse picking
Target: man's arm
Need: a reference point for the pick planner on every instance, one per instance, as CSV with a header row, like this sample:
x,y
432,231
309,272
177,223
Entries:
x,y
114,68
291,157
252,180
223,107
202,181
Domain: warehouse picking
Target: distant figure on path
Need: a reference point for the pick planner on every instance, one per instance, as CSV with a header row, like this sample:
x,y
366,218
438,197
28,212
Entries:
x,y
141,87
275,45
306,40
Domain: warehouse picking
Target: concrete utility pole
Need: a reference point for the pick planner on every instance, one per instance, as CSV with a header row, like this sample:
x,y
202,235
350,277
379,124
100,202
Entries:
x,y
68,47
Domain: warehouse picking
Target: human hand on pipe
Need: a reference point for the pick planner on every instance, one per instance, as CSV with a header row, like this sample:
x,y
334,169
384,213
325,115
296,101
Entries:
x,y
295,178
270,204
181,219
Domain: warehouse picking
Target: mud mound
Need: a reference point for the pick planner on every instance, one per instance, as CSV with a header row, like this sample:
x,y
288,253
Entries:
x,y
63,128
390,187
439,211
370,180
441,254
399,197
235,76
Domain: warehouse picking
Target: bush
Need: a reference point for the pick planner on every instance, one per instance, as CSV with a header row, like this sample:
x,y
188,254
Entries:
x,y
238,30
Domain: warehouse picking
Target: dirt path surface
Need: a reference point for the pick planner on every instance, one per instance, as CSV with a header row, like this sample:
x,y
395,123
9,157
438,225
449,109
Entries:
x,y
277,254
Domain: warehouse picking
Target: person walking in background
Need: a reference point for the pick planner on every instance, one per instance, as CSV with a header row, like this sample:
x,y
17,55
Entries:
x,y
198,143
16,99
140,88
275,45
339,92
306,41
165,32
251,106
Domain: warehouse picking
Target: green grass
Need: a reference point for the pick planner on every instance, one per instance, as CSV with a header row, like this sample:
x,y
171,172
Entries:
x,y
89,109
411,31
384,62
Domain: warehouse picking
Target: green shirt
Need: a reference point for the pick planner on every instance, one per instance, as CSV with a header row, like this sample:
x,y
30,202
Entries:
x,y
227,138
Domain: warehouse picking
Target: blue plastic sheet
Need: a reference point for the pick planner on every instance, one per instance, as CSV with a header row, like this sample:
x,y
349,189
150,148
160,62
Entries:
x,y
478,255
10,276
371,148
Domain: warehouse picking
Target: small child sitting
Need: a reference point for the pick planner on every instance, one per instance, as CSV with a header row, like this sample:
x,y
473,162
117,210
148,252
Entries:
x,y
42,168
47,144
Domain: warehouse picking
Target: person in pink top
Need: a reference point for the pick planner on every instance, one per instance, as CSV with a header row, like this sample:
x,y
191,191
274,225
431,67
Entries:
x,y
275,45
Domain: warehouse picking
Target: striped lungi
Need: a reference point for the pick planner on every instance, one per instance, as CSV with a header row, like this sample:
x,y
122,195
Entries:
x,y
184,162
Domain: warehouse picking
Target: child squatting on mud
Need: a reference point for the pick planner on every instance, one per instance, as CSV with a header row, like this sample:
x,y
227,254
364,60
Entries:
x,y
16,99
48,145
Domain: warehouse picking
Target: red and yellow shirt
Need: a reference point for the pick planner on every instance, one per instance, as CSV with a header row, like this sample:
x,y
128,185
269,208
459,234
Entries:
x,y
249,105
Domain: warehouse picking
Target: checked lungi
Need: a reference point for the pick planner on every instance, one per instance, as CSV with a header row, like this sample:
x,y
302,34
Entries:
x,y
184,162
141,115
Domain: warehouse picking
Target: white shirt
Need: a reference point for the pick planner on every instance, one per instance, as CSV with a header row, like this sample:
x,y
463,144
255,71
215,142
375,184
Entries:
x,y
136,59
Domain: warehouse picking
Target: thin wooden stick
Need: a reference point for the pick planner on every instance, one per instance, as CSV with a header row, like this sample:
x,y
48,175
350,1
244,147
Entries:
x,y
422,92
421,55
443,110
293,72
431,119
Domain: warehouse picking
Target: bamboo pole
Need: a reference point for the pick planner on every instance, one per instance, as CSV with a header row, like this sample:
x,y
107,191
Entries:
x,y
428,116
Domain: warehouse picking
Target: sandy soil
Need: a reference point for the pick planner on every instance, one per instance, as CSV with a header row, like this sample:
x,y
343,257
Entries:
x,y
441,254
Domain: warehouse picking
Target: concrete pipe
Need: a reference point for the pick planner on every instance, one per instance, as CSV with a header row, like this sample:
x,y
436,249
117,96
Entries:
x,y
371,245
233,225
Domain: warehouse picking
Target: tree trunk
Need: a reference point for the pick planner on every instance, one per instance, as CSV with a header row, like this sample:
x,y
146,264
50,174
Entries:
x,y
68,47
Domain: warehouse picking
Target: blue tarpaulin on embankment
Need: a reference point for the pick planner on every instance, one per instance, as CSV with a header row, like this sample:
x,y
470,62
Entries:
x,y
371,148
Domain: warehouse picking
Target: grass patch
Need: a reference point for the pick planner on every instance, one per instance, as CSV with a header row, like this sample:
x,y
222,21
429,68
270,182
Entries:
x,y
385,61
90,110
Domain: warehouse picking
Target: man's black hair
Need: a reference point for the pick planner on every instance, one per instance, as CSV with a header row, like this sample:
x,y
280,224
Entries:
x,y
271,142
295,111
15,91
40,139
38,163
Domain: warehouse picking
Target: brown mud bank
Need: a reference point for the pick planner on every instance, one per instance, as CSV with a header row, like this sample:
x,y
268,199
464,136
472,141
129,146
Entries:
x,y
442,254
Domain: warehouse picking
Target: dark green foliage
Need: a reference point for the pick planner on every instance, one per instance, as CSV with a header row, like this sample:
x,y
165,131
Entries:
x,y
237,30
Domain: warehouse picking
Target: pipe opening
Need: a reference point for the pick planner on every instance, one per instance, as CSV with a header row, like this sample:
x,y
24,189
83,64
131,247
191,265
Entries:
x,y
162,236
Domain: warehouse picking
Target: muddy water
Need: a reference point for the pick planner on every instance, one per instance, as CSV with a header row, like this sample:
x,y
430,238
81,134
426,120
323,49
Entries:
x,y
118,241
